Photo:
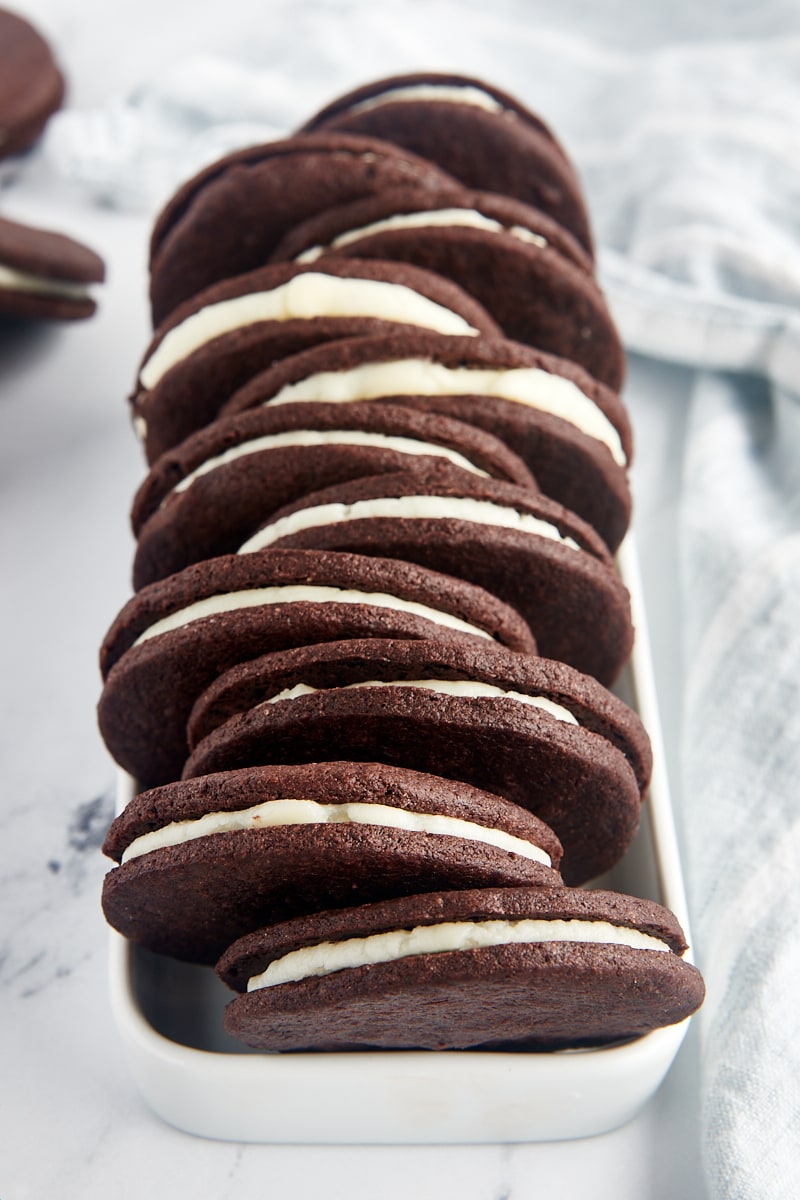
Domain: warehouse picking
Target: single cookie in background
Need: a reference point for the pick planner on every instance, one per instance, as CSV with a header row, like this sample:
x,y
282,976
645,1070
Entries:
x,y
219,339
46,275
213,491
172,639
534,731
524,268
527,968
206,861
31,84
531,552
476,132
229,218
573,433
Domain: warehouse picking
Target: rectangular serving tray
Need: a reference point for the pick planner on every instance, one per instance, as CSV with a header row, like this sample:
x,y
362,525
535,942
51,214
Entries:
x,y
169,1016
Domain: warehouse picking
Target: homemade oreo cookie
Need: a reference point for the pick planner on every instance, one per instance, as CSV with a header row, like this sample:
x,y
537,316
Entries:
x,y
573,433
220,338
215,489
173,638
526,271
46,275
515,968
228,219
478,133
205,861
31,84
533,553
535,731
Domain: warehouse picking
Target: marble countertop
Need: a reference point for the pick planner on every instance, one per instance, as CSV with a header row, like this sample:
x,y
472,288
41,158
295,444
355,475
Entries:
x,y
73,1121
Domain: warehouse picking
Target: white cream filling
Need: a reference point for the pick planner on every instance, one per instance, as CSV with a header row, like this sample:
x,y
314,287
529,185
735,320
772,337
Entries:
x,y
328,957
297,593
446,93
327,437
23,281
473,689
407,508
274,814
305,296
421,377
437,218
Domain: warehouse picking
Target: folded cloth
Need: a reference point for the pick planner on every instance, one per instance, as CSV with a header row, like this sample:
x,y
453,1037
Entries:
x,y
682,119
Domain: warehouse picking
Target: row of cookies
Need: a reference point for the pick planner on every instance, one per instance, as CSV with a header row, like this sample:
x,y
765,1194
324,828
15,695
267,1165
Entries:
x,y
376,612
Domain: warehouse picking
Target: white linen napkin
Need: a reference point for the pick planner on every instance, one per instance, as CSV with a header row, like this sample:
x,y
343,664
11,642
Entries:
x,y
684,120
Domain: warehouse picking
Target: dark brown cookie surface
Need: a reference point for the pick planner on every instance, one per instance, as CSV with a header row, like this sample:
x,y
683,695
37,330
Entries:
x,y
534,731
208,860
490,969
213,343
44,274
264,190
196,624
534,554
215,489
518,263
31,84
478,133
573,433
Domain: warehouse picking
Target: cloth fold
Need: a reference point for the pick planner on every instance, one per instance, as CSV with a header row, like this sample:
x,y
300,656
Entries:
x,y
683,122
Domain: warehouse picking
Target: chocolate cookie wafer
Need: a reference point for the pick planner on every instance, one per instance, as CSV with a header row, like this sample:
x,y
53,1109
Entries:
x,y
228,219
535,731
214,342
533,553
528,968
172,639
205,861
45,275
215,489
573,433
522,266
478,133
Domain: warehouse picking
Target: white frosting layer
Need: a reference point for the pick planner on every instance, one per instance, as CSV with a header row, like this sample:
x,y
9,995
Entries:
x,y
408,508
311,294
444,93
23,281
328,437
328,957
438,218
297,593
420,377
472,689
273,814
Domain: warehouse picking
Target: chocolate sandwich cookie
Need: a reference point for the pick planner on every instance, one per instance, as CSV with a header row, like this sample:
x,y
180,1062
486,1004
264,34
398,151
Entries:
x,y
573,433
478,133
206,861
215,489
213,343
530,551
228,219
45,275
172,639
496,969
521,265
534,731
31,84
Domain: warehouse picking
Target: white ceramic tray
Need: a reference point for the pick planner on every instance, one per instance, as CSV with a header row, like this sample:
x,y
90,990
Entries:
x,y
195,1077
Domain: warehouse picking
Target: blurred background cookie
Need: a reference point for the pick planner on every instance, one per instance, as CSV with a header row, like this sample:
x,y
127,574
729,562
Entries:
x,y
31,85
45,274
